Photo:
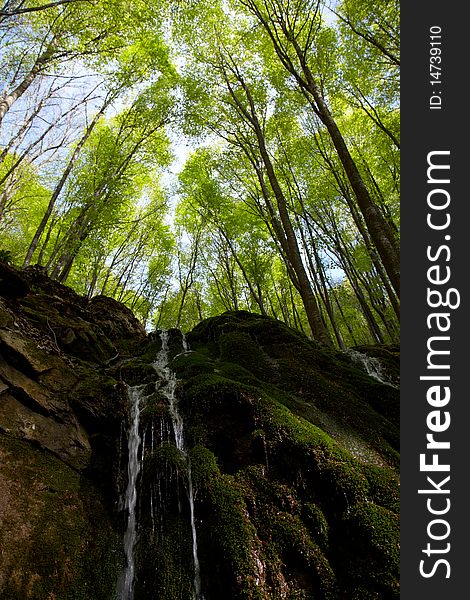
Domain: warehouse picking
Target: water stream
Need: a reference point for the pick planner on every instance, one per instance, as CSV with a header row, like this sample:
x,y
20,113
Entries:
x,y
125,589
167,387
138,441
371,365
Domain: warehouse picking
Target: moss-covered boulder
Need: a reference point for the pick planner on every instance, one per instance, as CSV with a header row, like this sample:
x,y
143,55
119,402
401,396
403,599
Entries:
x,y
295,463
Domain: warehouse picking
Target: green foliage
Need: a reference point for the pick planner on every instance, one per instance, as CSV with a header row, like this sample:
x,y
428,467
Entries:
x,y
213,241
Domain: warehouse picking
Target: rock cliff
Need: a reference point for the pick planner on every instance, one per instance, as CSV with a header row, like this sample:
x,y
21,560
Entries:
x,y
293,456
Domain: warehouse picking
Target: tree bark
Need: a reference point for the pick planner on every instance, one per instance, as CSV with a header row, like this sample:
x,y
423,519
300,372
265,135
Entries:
x,y
378,228
288,239
60,185
13,96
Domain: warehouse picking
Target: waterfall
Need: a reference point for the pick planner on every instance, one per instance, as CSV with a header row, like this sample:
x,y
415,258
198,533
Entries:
x,y
138,443
371,365
125,590
167,387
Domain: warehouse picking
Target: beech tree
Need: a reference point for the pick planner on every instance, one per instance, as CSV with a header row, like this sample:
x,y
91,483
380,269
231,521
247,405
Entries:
x,y
288,202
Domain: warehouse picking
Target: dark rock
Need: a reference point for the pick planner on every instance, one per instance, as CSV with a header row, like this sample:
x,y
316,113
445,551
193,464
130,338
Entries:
x,y
293,448
12,284
115,319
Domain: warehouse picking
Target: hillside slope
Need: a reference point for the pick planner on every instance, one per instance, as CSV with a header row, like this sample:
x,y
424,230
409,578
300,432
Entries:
x,y
292,451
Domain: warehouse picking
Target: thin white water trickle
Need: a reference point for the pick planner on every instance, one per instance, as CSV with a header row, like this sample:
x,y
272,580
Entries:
x,y
126,591
197,572
168,389
371,365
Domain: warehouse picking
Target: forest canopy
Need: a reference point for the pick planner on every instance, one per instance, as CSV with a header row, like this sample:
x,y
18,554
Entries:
x,y
188,158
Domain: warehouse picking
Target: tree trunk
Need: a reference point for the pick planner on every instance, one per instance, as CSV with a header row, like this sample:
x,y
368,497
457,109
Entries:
x,y
61,183
319,331
378,228
13,96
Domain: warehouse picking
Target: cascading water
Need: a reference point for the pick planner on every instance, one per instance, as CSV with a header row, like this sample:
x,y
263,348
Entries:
x,y
167,387
371,365
143,442
125,589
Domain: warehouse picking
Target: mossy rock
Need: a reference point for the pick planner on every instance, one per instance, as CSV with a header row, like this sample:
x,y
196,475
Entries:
x,y
313,517
57,538
204,467
98,399
263,353
165,456
284,506
239,347
191,364
372,557
163,558
293,493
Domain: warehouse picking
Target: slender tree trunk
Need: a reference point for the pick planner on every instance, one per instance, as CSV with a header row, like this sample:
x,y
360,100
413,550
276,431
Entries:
x,y
14,95
22,131
94,279
319,331
372,253
287,238
358,220
378,228
256,295
345,320
60,185
371,322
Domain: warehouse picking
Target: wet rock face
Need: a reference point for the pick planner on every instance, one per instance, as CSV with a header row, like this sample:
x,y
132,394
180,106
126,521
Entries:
x,y
60,420
293,453
295,457
55,349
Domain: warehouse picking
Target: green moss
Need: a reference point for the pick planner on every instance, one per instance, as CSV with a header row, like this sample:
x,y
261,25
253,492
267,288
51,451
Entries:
x,y
238,347
316,522
265,354
154,409
343,482
137,371
372,559
286,542
204,467
295,545
73,334
293,443
70,552
231,559
163,558
164,456
237,373
202,392
191,364
383,487
295,482
237,533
